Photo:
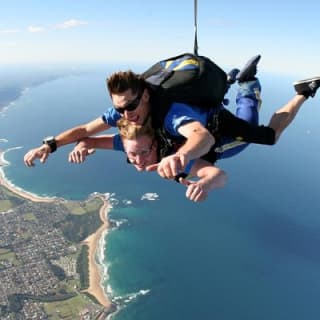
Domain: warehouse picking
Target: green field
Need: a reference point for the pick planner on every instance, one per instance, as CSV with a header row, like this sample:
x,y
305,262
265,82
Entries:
x,y
29,217
4,251
79,208
67,309
5,205
8,255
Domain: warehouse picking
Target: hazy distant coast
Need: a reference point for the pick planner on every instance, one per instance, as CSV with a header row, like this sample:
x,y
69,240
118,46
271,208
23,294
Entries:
x,y
14,80
8,95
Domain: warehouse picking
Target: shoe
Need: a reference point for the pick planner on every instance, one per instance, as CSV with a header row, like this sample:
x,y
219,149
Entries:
x,y
231,79
232,76
307,87
249,71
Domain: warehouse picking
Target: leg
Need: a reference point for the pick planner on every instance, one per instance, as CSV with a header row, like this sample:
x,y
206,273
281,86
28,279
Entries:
x,y
233,129
248,105
249,101
246,74
234,132
282,118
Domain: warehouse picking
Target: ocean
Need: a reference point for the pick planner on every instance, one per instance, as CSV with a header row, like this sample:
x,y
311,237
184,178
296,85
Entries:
x,y
251,251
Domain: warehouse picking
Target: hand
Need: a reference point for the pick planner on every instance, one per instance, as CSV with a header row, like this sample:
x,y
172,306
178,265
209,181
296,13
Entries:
x,y
40,153
170,166
195,190
79,153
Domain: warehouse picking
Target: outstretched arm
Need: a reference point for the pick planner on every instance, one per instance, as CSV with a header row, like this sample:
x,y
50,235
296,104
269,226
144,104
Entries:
x,y
209,178
198,142
66,137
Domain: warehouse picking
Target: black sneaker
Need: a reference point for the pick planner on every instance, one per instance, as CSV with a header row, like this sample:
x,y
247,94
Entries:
x,y
307,87
248,72
231,79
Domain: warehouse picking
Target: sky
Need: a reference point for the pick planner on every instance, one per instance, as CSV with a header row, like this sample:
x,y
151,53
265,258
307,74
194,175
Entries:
x,y
285,33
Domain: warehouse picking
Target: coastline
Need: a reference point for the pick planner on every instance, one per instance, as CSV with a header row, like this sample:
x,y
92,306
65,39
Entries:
x,y
95,286
22,193
92,241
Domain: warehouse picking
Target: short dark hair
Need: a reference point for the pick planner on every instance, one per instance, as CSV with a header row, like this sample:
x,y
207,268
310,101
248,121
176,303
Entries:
x,y
121,81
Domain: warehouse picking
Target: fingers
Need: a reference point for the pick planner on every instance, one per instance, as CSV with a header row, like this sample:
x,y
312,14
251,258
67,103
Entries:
x,y
79,155
91,151
185,182
28,159
44,157
40,153
73,157
165,172
195,192
171,166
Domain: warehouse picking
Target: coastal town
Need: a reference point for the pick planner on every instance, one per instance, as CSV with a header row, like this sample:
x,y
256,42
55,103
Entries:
x,y
48,246
43,273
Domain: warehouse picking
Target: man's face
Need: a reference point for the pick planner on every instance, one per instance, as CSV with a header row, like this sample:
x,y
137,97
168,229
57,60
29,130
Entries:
x,y
133,107
141,152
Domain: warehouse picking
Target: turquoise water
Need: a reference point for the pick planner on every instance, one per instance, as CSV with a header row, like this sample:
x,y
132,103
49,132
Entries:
x,y
249,252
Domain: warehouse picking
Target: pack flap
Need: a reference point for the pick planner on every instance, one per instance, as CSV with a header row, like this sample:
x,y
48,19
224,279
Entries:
x,y
158,78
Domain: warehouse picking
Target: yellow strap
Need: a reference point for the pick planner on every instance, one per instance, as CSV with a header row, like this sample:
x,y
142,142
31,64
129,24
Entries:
x,y
182,63
187,62
168,64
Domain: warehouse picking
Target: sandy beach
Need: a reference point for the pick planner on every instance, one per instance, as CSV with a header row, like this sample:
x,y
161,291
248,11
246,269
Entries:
x,y
92,241
27,195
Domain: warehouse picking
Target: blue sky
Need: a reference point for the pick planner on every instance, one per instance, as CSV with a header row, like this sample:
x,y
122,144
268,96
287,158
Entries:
x,y
285,32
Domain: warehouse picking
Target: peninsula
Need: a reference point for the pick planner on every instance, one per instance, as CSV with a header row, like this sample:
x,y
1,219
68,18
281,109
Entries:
x,y
48,249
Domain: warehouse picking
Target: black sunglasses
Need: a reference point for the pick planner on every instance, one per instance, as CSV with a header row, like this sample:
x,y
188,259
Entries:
x,y
131,105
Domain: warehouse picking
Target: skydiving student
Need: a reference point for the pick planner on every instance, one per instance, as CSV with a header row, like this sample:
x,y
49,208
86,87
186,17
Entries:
x,y
133,99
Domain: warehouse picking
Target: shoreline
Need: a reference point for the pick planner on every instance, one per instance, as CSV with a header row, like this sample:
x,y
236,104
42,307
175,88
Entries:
x,y
95,286
92,241
22,193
